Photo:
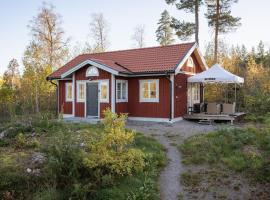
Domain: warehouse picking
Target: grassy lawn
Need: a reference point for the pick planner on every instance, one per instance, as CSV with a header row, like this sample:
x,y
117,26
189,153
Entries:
x,y
228,163
65,173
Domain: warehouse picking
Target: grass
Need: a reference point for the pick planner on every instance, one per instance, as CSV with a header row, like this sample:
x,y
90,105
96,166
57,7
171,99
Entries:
x,y
244,150
25,138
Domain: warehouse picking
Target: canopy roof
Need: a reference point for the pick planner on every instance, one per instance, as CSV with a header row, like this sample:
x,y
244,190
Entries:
x,y
215,74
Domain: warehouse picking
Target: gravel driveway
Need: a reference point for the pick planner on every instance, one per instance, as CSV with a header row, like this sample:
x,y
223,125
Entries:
x,y
170,135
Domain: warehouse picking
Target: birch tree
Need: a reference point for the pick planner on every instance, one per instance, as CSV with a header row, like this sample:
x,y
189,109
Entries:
x,y
46,30
99,29
139,36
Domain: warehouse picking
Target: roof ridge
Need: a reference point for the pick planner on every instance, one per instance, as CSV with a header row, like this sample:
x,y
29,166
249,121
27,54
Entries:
x,y
152,47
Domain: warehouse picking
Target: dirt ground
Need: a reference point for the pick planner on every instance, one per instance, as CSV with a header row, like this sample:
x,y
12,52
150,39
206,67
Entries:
x,y
178,181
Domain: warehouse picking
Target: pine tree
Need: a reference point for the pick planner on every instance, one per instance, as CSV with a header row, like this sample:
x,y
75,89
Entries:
x,y
220,18
186,29
164,31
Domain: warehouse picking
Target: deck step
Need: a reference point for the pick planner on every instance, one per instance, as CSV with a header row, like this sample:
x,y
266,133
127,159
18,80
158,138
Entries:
x,y
205,121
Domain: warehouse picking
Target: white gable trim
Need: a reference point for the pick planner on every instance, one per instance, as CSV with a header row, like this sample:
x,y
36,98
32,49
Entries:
x,y
96,64
193,48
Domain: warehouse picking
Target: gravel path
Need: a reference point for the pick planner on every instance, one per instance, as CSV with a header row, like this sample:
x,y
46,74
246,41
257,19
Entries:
x,y
169,135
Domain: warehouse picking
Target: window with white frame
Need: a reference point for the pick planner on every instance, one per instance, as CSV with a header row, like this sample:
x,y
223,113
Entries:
x,y
149,90
121,90
69,92
190,62
196,92
92,71
104,91
80,91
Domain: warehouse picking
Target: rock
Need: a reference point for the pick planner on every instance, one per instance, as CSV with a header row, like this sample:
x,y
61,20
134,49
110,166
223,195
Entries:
x,y
28,170
37,159
3,134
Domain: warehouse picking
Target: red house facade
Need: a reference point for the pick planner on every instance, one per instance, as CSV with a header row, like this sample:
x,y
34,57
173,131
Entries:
x,y
148,84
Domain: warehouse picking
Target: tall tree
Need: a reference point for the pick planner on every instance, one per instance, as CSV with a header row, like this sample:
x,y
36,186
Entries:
x,y
12,75
186,29
220,18
139,36
164,31
99,32
47,32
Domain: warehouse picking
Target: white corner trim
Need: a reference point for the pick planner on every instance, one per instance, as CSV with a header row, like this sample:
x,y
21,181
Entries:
x,y
73,94
149,100
172,97
113,92
93,63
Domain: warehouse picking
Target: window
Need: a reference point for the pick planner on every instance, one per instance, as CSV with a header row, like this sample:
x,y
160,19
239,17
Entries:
x,y
190,62
104,91
149,90
196,92
80,91
121,90
69,92
92,71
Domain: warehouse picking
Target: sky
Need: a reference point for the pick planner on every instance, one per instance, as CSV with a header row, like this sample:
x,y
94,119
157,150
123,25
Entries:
x,y
123,16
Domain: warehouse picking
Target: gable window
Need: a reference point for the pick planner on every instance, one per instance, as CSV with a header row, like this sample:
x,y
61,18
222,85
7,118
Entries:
x,y
104,91
92,71
149,90
69,92
121,90
80,91
190,62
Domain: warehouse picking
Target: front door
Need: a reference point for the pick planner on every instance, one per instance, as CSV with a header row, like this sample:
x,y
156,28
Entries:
x,y
193,94
92,99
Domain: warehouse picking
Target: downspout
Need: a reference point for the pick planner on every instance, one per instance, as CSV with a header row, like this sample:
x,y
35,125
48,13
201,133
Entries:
x,y
170,113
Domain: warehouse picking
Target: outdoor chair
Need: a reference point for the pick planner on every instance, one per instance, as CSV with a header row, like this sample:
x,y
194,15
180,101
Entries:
x,y
213,109
228,108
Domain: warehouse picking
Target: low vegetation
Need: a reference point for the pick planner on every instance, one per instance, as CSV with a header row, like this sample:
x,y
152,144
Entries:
x,y
42,158
245,150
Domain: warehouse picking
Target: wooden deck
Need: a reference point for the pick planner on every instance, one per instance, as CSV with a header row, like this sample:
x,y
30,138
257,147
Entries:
x,y
221,117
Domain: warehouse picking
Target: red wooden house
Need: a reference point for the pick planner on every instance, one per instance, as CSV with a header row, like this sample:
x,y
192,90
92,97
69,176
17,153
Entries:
x,y
148,83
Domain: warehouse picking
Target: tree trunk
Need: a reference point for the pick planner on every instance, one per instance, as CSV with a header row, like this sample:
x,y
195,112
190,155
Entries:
x,y
197,21
36,99
216,31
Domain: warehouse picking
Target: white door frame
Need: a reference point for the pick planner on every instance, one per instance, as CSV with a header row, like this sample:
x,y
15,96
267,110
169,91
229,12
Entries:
x,y
85,103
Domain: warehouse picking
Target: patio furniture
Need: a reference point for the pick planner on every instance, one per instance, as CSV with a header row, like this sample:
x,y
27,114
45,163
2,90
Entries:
x,y
228,108
213,109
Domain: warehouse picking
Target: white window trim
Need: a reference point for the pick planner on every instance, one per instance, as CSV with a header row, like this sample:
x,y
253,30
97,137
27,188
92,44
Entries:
x,y
101,82
92,68
156,100
121,82
66,89
78,92
190,62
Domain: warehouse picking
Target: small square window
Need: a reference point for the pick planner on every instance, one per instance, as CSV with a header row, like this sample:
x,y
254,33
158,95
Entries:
x,y
149,90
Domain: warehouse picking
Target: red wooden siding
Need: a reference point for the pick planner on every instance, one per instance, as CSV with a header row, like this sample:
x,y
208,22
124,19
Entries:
x,y
66,106
196,69
159,109
80,75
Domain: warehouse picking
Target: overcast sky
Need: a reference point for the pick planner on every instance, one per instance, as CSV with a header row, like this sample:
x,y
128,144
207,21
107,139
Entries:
x,y
123,16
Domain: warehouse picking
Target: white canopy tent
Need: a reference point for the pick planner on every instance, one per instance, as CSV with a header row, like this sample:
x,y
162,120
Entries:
x,y
216,74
